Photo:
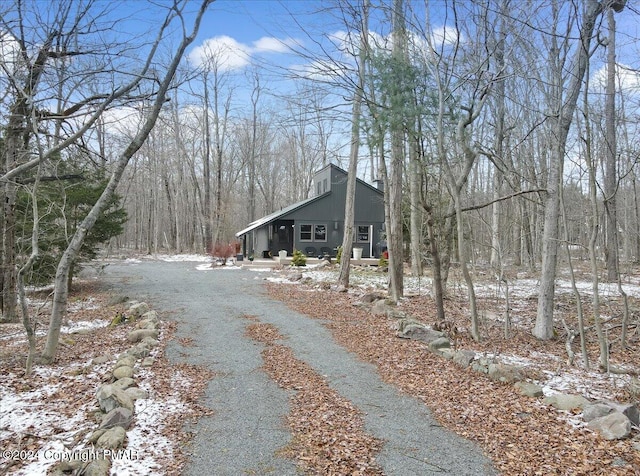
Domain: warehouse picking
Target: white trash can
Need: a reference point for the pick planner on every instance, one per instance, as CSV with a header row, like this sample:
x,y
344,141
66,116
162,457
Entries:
x,y
282,254
357,253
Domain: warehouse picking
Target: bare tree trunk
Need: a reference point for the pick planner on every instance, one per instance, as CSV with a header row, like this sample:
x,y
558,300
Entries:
x,y
394,231
253,157
416,218
496,251
349,208
610,168
206,167
576,293
60,284
456,187
220,130
593,259
543,328
595,225
12,153
26,320
16,144
438,288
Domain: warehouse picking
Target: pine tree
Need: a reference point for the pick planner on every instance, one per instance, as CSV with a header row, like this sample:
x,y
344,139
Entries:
x,y
64,204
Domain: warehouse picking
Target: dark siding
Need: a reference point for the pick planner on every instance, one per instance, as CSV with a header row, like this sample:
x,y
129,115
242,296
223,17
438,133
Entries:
x,y
329,210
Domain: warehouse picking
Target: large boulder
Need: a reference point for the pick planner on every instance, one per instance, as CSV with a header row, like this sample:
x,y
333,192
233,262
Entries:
x,y
125,360
112,438
595,410
137,393
481,365
568,402
382,307
439,344
119,416
137,310
634,388
147,362
124,383
101,359
448,354
139,334
150,342
147,324
150,316
140,350
95,436
614,426
529,389
464,357
416,330
110,397
628,410
370,298
98,467
86,462
504,373
123,371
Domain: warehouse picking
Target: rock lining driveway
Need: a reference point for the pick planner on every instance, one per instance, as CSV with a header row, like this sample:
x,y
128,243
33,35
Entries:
x,y
247,430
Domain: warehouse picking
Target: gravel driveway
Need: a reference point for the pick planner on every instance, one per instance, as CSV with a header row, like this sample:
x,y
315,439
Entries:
x,y
247,430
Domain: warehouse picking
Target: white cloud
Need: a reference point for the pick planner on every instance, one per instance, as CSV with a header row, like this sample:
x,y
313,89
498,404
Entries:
x,y
9,53
223,52
268,44
627,79
228,54
444,36
350,42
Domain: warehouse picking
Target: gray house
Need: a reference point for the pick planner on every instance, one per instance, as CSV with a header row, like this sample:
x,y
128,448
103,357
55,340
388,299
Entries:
x,y
315,226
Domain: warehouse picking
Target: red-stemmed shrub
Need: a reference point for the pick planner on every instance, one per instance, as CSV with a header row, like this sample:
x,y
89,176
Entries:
x,y
222,251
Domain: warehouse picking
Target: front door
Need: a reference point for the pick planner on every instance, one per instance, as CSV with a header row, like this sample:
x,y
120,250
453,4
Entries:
x,y
282,237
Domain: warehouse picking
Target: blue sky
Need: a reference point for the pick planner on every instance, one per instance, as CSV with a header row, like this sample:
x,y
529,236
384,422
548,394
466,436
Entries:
x,y
259,31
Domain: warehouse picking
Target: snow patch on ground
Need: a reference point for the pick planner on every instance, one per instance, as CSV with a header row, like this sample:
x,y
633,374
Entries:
x,y
528,288
187,257
35,412
19,336
365,280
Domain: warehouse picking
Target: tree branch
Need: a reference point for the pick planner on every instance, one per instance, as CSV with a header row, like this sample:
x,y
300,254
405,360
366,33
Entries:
x,y
499,199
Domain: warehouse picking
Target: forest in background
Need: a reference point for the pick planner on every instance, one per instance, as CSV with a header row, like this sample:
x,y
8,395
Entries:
x,y
506,133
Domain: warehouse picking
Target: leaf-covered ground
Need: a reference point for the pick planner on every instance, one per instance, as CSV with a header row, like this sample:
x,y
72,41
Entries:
x,y
56,407
521,435
328,435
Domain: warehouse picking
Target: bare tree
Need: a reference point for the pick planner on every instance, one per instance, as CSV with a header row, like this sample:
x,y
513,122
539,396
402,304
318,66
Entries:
x,y
349,209
394,188
69,255
611,152
561,119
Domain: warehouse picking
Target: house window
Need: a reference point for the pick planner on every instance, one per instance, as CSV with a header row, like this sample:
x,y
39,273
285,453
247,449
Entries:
x,y
305,232
315,232
324,185
362,234
320,233
319,189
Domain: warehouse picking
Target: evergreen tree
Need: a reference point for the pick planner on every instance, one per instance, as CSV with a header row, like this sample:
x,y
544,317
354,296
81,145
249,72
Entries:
x,y
63,205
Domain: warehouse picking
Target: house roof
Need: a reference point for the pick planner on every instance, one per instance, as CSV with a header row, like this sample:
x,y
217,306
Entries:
x,y
291,208
279,214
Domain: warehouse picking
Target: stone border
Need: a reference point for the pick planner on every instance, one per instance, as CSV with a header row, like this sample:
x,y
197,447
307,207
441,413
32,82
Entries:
x,y
117,399
612,420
